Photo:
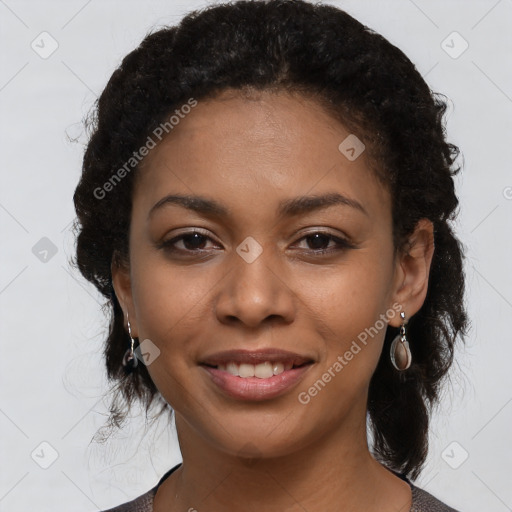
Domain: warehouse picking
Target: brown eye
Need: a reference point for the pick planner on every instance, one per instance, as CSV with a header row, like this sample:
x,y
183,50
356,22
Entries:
x,y
192,242
318,243
318,240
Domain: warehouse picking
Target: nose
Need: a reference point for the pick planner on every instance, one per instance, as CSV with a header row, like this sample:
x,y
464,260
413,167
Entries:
x,y
255,293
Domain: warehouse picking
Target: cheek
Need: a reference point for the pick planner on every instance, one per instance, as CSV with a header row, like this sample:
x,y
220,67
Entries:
x,y
351,296
169,299
169,305
348,309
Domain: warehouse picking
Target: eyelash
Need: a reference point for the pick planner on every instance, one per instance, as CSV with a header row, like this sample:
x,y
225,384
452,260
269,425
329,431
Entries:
x,y
342,244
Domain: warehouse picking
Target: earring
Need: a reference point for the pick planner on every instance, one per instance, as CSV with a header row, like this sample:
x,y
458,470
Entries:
x,y
400,352
130,360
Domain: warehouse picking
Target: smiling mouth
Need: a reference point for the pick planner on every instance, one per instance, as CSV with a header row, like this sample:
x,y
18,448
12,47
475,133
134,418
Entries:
x,y
263,370
265,380
255,375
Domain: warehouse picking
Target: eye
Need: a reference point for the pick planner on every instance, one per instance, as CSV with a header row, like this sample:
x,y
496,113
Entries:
x,y
195,242
321,242
191,242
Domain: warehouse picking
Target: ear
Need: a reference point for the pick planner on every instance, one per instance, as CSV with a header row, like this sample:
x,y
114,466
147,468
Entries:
x,y
413,269
121,281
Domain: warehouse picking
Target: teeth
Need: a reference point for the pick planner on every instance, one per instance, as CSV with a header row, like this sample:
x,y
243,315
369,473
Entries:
x,y
230,368
261,371
278,368
246,370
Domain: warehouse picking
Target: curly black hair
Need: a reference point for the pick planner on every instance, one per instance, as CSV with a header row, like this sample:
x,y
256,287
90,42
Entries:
x,y
361,79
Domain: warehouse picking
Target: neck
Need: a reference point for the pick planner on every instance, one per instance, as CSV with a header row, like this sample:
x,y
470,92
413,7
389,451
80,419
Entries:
x,y
335,469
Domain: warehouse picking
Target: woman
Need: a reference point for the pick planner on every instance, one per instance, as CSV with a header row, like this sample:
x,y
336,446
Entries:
x,y
265,202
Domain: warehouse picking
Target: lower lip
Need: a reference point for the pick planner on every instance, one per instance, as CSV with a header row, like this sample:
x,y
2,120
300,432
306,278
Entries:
x,y
253,388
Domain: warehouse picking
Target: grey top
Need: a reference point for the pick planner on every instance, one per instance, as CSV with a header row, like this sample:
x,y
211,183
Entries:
x,y
422,501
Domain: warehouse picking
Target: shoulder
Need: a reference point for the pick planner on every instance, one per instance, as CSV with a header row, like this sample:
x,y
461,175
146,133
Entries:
x,y
143,503
422,501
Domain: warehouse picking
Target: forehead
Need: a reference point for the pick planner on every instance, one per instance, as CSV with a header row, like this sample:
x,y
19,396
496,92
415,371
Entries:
x,y
252,150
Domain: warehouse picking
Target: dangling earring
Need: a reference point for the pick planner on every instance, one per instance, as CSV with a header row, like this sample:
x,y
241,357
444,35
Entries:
x,y
400,351
130,360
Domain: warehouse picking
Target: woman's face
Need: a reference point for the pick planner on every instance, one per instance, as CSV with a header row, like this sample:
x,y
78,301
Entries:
x,y
275,267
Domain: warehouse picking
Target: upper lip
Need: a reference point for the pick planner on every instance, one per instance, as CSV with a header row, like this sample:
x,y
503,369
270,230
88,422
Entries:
x,y
273,355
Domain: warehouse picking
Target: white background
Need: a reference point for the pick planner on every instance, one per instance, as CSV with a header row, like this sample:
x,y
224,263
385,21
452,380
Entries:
x,y
51,325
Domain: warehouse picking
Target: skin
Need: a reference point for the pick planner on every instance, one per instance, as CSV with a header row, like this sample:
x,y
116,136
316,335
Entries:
x,y
248,154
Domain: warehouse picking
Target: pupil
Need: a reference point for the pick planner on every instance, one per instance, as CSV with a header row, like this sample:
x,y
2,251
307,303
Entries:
x,y
318,240
197,241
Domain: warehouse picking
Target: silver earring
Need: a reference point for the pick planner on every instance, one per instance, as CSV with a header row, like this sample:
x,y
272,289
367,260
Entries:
x,y
130,360
400,351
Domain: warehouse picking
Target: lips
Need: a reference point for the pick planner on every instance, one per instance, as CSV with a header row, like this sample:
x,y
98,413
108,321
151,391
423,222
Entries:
x,y
228,372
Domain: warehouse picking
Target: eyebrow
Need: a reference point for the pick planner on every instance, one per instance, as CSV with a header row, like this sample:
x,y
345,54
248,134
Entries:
x,y
287,208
